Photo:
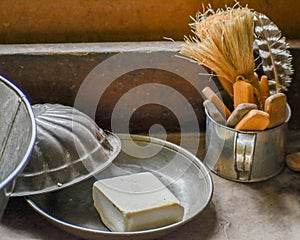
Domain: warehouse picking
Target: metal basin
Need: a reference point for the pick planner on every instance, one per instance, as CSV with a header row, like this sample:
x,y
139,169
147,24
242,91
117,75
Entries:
x,y
17,137
72,209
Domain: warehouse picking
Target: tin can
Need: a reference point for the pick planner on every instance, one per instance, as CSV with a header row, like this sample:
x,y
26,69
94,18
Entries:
x,y
245,156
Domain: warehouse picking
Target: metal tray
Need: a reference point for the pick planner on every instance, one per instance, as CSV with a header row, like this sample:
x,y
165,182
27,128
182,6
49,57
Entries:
x,y
72,210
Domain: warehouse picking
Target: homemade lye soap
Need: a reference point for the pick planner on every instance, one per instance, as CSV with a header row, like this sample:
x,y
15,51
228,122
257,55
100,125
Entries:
x,y
135,202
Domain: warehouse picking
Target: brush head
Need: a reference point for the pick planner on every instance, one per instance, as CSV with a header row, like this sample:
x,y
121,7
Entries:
x,y
223,42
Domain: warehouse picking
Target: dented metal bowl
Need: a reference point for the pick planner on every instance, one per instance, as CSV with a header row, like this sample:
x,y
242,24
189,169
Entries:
x,y
17,137
72,210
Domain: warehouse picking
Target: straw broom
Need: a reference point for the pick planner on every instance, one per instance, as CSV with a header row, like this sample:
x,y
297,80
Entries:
x,y
223,42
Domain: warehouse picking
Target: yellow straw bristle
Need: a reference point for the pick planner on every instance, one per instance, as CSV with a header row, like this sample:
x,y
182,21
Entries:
x,y
223,42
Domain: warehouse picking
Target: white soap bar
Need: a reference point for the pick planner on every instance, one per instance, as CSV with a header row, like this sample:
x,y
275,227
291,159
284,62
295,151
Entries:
x,y
135,202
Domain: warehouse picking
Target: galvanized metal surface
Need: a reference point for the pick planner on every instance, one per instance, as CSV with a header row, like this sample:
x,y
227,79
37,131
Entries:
x,y
245,156
184,174
17,136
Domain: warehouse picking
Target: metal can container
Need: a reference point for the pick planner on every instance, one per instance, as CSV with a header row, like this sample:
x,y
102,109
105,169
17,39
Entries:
x,y
245,156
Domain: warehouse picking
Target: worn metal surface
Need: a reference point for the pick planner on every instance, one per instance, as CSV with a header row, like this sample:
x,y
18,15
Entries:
x,y
69,148
17,137
256,211
73,209
245,156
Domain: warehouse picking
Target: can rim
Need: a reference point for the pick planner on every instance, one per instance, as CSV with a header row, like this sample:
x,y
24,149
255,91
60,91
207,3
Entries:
x,y
25,158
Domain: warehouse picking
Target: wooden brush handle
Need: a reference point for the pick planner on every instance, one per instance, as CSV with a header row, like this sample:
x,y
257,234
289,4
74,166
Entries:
x,y
264,88
210,95
242,93
275,106
255,120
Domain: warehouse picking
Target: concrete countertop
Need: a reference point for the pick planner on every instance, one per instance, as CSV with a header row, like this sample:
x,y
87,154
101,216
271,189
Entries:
x,y
265,210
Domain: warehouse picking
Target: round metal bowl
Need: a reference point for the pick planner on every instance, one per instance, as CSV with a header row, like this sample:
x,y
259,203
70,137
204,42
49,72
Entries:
x,y
17,137
69,148
72,210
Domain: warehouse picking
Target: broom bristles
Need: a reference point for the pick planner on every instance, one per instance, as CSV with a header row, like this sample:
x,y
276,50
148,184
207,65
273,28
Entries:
x,y
224,44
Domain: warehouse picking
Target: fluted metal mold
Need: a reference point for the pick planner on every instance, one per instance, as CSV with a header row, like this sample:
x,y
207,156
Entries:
x,y
69,148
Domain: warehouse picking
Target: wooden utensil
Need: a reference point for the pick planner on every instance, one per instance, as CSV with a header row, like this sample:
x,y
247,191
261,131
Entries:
x,y
293,161
239,112
242,93
264,88
214,112
276,107
255,120
210,95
